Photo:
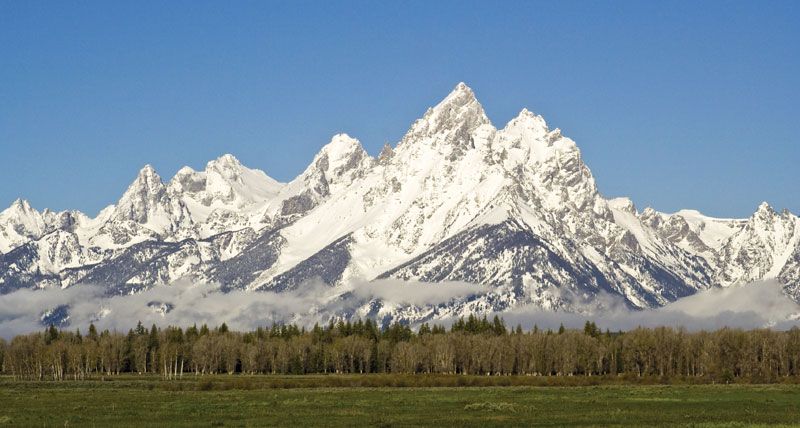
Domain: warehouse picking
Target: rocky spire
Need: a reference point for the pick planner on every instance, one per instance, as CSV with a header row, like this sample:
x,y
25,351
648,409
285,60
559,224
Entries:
x,y
764,210
527,123
19,223
457,115
226,165
144,195
337,163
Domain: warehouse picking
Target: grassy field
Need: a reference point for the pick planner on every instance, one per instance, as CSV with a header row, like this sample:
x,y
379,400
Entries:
x,y
311,401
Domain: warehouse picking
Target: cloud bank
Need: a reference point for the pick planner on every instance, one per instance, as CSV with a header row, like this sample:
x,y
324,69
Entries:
x,y
185,304
755,305
416,293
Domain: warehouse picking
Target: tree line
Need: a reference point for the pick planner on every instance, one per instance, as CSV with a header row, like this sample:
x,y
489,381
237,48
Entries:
x,y
471,346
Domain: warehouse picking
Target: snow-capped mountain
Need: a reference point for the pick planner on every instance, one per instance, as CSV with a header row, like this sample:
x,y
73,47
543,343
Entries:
x,y
457,199
20,223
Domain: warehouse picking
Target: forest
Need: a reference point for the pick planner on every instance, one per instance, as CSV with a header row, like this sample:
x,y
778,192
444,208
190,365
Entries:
x,y
472,346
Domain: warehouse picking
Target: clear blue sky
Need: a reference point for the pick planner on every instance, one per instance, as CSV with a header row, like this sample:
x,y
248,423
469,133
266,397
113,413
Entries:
x,y
675,104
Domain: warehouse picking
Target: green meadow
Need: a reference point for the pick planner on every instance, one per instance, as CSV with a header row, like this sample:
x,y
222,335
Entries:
x,y
369,400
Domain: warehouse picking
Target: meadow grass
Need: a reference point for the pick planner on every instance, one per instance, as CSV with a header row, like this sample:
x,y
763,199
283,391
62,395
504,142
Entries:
x,y
356,401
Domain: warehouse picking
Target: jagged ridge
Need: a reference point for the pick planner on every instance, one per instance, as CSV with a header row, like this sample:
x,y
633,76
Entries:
x,y
457,199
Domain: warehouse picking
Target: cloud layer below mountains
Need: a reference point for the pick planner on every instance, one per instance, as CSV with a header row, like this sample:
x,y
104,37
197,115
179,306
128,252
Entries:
x,y
22,311
755,305
752,306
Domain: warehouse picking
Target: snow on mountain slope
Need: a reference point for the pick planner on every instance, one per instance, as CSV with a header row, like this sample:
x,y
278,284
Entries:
x,y
339,163
513,209
453,167
226,196
712,231
430,184
19,223
145,211
692,231
761,249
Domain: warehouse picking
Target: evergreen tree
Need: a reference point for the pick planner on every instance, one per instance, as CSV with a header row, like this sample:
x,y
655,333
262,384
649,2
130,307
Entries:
x,y
473,325
424,329
192,333
590,329
140,329
92,335
498,326
458,325
51,335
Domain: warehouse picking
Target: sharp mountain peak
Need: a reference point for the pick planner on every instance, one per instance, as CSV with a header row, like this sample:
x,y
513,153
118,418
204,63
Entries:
x,y
513,209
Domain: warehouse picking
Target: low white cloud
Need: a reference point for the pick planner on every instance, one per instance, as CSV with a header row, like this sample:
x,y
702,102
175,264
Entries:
x,y
187,304
416,293
766,299
755,305
751,306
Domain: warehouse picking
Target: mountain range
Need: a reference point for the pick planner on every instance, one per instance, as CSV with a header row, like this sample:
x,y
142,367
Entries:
x,y
514,209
